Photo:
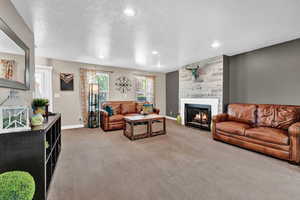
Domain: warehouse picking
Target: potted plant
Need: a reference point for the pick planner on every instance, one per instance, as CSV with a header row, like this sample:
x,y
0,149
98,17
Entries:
x,y
16,185
40,105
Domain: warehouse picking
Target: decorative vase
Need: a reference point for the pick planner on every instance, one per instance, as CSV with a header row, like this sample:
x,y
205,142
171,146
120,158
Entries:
x,y
40,110
37,120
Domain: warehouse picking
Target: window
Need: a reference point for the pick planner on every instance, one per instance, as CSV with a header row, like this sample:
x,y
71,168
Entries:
x,y
144,88
43,84
102,79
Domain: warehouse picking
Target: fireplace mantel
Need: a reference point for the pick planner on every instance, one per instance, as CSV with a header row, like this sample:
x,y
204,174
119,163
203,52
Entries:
x,y
213,102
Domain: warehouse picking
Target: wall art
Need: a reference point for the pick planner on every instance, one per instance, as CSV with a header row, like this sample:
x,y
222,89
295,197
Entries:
x,y
123,84
66,82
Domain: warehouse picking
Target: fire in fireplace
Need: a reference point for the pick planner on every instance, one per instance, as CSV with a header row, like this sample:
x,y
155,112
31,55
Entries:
x,y
198,116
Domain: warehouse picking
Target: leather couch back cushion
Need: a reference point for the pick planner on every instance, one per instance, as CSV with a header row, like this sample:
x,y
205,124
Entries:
x,y
127,108
116,108
277,116
242,113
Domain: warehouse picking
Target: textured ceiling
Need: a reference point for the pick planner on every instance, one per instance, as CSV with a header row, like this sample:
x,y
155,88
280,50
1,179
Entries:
x,y
180,30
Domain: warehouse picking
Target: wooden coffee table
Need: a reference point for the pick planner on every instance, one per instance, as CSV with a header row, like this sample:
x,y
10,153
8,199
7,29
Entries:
x,y
143,126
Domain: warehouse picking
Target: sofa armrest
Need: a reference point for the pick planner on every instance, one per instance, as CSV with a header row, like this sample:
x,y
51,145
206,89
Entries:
x,y
294,133
156,110
220,118
294,129
104,115
216,119
103,112
104,119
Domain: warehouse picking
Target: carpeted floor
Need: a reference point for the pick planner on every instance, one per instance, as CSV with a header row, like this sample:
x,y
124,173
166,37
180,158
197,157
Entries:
x,y
185,164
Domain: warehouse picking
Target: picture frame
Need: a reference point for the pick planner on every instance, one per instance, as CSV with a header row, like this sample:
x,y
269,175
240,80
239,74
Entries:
x,y
66,81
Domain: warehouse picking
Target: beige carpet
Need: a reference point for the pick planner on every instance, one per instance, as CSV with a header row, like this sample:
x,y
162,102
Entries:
x,y
185,164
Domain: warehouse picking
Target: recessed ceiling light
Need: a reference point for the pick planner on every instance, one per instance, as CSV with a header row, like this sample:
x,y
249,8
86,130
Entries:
x,y
216,44
154,52
129,12
101,57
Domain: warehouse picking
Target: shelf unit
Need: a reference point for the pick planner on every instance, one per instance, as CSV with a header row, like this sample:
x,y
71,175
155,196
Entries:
x,y
26,151
53,139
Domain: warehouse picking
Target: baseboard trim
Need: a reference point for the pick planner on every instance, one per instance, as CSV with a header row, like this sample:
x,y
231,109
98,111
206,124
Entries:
x,y
72,126
171,118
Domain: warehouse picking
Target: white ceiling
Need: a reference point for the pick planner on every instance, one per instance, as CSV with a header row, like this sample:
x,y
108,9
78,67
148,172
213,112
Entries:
x,y
180,30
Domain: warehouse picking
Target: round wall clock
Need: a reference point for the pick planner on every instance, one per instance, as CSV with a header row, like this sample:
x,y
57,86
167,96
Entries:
x,y
123,84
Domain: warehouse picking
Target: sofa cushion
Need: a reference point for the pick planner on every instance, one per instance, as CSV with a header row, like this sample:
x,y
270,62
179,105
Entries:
x,y
116,108
265,115
128,108
272,135
242,113
277,116
116,118
285,117
232,127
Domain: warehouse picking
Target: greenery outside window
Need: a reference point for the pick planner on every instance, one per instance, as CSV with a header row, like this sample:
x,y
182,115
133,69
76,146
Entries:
x,y
102,79
144,88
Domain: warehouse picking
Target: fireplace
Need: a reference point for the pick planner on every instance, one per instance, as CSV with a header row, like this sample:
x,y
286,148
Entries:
x,y
198,116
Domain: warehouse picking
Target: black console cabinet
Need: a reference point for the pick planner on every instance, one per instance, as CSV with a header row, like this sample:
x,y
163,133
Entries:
x,y
26,151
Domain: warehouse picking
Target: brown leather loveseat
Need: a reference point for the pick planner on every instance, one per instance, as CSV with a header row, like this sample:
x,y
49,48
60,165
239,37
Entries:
x,y
269,129
121,109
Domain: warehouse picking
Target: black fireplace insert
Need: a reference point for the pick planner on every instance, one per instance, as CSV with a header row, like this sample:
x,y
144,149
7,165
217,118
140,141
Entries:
x,y
198,116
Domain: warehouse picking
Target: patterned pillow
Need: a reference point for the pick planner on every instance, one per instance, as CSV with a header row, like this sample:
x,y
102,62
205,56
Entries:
x,y
148,108
109,110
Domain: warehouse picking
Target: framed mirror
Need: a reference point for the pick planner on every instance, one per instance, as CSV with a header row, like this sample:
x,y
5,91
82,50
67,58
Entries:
x,y
14,60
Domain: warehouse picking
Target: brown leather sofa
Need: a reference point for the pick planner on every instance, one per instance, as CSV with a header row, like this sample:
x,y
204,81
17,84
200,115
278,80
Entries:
x,y
269,129
121,109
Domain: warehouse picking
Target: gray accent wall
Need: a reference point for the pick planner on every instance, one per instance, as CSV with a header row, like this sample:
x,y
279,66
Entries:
x,y
226,79
172,92
269,76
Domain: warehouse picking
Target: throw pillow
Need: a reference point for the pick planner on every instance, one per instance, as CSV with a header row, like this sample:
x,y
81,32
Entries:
x,y
148,108
109,110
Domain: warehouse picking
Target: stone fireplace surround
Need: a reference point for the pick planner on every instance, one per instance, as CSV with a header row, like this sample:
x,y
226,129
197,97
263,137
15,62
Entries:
x,y
210,87
213,102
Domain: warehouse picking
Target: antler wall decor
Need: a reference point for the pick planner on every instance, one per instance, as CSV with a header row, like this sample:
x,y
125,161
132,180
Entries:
x,y
195,71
